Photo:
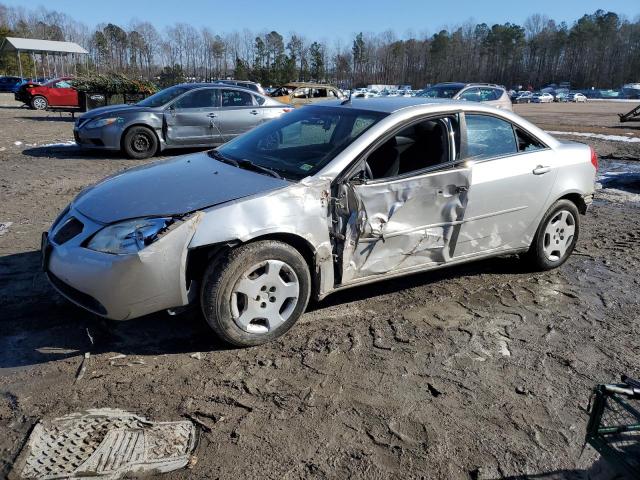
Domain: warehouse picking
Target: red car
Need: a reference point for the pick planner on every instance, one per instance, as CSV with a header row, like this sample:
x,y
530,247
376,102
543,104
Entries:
x,y
57,93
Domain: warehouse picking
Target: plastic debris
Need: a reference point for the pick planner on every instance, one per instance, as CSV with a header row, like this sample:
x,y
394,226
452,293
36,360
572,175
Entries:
x,y
106,444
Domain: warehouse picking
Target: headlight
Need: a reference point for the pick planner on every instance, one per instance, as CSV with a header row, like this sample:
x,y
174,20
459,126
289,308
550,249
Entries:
x,y
129,236
102,122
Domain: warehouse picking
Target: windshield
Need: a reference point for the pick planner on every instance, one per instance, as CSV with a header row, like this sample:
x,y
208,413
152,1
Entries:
x,y
300,143
440,91
162,97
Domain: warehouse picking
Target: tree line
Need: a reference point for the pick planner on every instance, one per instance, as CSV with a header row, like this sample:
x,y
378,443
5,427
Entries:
x,y
600,49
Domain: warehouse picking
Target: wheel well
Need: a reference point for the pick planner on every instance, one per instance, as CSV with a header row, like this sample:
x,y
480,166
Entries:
x,y
126,130
578,200
199,258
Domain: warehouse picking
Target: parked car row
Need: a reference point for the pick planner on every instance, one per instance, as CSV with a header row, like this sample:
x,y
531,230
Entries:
x,y
547,97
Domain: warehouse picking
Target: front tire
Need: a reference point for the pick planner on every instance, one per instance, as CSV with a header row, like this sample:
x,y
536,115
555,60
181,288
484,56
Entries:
x,y
39,103
556,236
256,292
140,143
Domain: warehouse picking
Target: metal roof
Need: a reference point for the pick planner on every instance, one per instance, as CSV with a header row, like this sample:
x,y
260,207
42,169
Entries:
x,y
39,46
387,104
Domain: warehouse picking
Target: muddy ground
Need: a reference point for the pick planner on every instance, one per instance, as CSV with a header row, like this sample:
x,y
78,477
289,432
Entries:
x,y
479,371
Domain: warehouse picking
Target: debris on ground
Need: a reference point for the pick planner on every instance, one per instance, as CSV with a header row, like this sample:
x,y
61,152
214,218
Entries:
x,y
83,366
104,443
4,227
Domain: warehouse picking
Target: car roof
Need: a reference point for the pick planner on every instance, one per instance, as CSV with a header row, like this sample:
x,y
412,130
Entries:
x,y
191,86
388,104
307,84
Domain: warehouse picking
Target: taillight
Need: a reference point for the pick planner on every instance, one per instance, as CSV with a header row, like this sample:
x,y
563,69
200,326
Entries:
x,y
594,158
287,110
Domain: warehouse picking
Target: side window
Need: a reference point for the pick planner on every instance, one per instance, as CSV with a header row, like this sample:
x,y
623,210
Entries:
x,y
63,84
236,98
498,93
489,137
471,95
420,146
487,94
331,93
319,93
301,93
527,143
259,100
205,98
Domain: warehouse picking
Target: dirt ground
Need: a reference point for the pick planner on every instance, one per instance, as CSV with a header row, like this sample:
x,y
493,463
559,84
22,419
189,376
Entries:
x,y
475,372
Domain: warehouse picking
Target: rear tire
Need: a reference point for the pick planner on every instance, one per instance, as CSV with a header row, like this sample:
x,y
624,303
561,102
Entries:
x,y
556,236
256,292
140,143
39,103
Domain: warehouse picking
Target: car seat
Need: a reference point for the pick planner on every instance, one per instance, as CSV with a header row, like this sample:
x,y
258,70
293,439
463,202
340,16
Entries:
x,y
384,162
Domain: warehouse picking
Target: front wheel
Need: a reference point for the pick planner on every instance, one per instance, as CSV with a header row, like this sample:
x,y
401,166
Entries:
x,y
556,236
256,292
140,143
39,103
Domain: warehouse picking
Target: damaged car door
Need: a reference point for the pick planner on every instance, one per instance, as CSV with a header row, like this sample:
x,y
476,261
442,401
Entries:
x,y
402,206
191,120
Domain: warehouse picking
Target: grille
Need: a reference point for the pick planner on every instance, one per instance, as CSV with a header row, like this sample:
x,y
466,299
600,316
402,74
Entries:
x,y
66,232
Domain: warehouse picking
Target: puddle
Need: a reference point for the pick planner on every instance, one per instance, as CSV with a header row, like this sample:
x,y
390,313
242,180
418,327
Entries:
x,y
620,177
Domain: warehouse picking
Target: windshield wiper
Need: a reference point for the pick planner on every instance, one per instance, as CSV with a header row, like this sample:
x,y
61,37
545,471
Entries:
x,y
218,156
249,165
243,163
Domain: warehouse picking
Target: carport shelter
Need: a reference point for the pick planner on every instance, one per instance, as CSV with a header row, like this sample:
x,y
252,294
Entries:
x,y
43,48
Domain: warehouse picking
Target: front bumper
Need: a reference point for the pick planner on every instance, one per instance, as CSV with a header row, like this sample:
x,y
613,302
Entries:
x,y
120,287
107,138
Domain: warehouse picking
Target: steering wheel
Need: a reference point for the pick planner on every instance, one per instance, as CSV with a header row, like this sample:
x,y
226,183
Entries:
x,y
367,171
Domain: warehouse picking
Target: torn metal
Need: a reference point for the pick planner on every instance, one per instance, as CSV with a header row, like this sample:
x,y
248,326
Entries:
x,y
104,443
392,225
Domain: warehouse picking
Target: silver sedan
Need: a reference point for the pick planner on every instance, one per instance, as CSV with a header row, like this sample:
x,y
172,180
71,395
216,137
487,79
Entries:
x,y
187,115
322,199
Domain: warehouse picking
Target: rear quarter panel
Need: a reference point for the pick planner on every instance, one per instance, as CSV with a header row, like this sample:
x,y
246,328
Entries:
x,y
575,174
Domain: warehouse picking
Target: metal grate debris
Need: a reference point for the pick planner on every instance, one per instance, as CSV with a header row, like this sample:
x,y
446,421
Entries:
x,y
106,444
614,425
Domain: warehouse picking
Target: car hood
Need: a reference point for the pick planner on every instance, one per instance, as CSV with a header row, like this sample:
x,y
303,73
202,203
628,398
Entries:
x,y
113,109
171,187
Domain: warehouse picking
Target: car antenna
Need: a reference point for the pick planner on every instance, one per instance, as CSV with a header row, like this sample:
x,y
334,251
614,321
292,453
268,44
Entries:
x,y
348,100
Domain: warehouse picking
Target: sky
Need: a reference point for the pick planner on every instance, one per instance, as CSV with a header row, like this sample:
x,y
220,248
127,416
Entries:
x,y
327,19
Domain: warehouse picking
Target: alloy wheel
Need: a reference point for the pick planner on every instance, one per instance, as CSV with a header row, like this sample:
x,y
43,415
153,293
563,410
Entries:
x,y
39,103
558,235
265,296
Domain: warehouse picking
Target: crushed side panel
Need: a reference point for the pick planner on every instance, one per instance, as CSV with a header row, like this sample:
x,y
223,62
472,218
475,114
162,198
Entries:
x,y
401,224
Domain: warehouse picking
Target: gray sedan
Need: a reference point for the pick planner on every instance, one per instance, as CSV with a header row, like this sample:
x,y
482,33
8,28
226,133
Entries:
x,y
324,198
187,115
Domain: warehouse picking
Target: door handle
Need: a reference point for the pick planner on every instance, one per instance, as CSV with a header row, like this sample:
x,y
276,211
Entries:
x,y
539,170
253,112
211,115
